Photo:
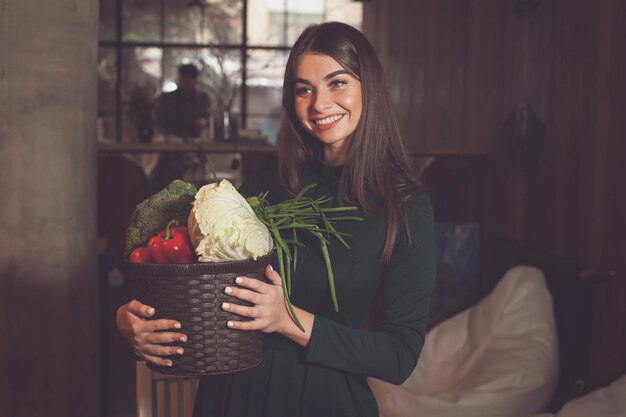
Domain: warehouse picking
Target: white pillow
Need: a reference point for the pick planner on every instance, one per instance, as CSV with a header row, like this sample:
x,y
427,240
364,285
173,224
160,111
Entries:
x,y
609,401
496,359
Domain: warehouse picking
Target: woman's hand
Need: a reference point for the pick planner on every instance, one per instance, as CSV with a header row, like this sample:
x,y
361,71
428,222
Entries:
x,y
131,322
269,311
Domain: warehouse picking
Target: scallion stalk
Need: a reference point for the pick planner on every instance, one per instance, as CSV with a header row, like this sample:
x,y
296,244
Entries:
x,y
305,214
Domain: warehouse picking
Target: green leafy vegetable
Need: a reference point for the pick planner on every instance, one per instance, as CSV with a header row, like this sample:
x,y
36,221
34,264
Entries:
x,y
151,215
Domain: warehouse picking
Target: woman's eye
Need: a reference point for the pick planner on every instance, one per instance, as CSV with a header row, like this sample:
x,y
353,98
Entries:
x,y
338,83
301,91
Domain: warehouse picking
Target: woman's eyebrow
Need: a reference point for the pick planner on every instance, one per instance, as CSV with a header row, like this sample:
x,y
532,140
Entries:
x,y
334,73
326,77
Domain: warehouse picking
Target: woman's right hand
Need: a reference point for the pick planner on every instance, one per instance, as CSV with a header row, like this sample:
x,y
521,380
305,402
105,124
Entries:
x,y
143,336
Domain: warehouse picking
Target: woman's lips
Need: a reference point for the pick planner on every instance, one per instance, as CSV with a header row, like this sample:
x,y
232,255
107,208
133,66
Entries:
x,y
328,122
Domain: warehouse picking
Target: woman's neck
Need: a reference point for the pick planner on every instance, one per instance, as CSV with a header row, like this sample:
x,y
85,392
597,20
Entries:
x,y
334,157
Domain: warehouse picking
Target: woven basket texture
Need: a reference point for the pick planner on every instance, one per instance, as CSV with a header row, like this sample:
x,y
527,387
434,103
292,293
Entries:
x,y
193,295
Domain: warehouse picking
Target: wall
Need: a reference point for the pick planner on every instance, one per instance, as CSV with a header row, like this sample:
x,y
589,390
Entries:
x,y
459,69
49,329
440,61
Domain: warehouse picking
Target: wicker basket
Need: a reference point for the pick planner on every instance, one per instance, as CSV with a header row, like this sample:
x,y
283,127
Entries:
x,y
193,295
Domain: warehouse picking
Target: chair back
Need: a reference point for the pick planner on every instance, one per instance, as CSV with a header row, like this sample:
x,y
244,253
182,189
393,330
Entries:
x,y
160,395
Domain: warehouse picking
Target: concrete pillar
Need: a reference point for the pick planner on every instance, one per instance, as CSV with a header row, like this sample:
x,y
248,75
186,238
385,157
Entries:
x,y
49,333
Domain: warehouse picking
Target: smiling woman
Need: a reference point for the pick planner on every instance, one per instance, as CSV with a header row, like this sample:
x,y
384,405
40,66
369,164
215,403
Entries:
x,y
328,103
338,133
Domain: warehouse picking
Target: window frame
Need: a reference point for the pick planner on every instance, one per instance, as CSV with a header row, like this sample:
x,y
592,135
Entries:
x,y
119,44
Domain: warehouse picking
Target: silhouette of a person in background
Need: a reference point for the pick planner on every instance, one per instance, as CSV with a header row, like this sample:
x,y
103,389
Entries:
x,y
184,112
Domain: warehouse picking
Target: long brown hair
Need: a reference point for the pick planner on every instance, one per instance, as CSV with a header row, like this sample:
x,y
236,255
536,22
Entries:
x,y
377,163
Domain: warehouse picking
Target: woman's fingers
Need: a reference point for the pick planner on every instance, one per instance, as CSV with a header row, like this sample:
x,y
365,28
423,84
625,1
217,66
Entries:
x,y
244,294
140,310
251,283
268,311
160,351
246,325
151,332
146,336
258,285
166,337
273,276
150,344
140,327
149,336
162,324
158,361
241,310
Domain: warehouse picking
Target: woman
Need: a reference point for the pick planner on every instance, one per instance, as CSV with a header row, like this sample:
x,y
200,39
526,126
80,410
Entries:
x,y
339,132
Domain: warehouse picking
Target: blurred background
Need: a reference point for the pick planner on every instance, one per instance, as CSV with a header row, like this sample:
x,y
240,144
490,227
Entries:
x,y
240,49
512,110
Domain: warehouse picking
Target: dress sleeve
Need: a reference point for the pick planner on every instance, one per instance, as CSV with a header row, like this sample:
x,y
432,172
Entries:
x,y
390,352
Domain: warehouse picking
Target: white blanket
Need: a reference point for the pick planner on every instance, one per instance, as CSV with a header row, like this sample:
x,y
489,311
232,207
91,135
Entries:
x,y
496,359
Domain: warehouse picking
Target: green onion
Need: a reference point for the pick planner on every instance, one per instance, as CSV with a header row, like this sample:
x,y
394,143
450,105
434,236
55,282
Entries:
x,y
305,214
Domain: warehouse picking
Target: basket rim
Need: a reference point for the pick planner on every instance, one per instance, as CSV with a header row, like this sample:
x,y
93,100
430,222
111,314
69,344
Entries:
x,y
199,268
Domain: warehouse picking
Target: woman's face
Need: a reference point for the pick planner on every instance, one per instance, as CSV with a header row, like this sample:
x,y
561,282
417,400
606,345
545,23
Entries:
x,y
328,102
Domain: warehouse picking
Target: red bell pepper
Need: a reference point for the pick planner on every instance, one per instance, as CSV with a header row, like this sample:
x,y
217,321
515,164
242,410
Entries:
x,y
172,246
140,256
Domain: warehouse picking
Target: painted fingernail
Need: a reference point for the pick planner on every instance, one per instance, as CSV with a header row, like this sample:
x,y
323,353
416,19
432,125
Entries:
x,y
225,306
179,351
271,268
151,311
230,324
183,338
239,280
177,325
228,290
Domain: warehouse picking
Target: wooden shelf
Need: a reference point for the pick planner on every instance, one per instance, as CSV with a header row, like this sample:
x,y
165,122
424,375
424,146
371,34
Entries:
x,y
220,147
206,147
445,153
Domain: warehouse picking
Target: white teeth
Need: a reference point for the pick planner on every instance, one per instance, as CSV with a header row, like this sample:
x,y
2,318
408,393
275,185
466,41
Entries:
x,y
328,120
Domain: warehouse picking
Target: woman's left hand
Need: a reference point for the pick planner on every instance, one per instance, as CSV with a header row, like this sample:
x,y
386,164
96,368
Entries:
x,y
269,310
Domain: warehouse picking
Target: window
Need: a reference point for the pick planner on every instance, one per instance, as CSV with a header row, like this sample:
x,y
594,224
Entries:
x,y
239,46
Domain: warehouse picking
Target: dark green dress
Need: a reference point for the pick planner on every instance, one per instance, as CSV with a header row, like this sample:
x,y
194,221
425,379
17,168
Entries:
x,y
328,378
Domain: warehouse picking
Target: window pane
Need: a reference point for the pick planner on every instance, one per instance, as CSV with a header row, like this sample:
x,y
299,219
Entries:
x,y
203,21
220,73
108,17
266,70
346,11
266,23
280,22
141,20
302,14
267,125
149,71
141,75
107,80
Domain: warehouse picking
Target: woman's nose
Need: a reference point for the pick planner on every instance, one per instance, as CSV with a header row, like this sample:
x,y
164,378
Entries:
x,y
322,101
